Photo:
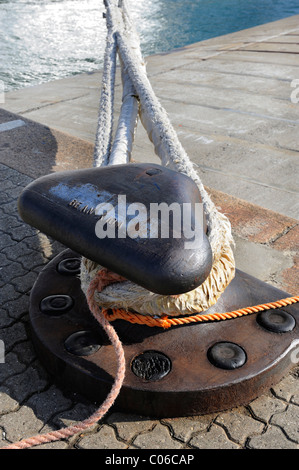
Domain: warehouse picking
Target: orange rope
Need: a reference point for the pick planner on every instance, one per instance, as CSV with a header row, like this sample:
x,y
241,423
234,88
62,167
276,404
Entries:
x,y
166,322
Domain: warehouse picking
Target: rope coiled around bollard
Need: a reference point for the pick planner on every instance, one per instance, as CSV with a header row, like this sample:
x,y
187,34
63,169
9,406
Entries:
x,y
103,316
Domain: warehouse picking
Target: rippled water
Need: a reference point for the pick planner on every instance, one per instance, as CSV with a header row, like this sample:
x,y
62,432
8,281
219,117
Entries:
x,y
43,40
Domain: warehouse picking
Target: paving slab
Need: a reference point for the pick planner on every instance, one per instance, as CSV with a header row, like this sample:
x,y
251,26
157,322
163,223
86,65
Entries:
x,y
267,243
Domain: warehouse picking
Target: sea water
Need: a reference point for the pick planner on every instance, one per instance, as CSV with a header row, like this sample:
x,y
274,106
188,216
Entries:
x,y
43,40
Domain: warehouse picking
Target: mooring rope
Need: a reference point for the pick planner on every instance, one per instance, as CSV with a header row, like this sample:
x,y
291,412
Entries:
x,y
103,139
104,278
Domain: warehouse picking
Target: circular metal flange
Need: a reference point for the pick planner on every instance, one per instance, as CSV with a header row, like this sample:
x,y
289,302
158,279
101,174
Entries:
x,y
227,355
277,321
168,372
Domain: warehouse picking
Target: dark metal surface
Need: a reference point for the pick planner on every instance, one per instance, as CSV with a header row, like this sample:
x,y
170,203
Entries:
x,y
56,304
63,206
189,383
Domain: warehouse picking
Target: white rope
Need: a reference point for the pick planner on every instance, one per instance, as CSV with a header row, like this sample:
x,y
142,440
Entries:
x,y
127,123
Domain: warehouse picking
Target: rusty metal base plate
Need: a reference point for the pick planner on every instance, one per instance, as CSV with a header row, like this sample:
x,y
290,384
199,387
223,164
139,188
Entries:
x,y
185,370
